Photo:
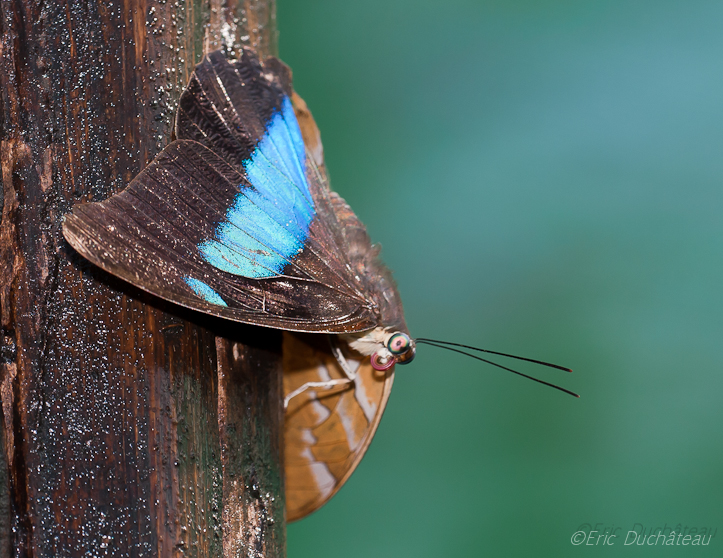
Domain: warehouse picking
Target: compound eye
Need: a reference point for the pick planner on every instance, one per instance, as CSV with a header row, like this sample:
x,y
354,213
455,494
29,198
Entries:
x,y
399,343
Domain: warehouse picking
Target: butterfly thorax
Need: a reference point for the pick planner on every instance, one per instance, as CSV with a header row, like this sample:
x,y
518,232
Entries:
x,y
376,281
390,342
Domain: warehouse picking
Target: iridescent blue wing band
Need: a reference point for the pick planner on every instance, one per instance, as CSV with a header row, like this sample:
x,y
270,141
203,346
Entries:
x,y
267,224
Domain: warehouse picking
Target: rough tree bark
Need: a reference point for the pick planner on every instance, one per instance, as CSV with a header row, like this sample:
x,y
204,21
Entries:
x,y
130,427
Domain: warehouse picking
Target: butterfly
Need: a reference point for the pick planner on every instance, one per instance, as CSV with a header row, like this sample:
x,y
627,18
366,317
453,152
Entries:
x,y
235,218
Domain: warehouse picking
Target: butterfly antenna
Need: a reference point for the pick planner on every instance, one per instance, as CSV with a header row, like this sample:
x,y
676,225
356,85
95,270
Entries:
x,y
440,346
543,363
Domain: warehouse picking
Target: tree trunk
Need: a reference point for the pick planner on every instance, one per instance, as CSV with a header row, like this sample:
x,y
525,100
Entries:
x,y
130,427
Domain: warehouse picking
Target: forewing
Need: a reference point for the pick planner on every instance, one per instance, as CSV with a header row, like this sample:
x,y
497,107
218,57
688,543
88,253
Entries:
x,y
326,432
233,218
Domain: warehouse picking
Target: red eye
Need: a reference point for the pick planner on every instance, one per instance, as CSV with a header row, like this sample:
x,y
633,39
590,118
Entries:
x,y
381,363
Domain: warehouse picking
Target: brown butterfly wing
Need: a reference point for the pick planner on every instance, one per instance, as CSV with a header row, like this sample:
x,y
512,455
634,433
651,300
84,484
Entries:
x,y
157,232
326,432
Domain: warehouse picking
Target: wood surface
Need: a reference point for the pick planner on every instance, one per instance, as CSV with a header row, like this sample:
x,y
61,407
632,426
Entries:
x,y
129,427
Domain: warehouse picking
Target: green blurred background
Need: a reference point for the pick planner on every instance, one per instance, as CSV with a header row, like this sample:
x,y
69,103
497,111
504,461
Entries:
x,y
546,180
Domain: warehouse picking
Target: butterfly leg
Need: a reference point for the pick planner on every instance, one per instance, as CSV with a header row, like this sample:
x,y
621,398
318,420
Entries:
x,y
343,364
326,385
340,358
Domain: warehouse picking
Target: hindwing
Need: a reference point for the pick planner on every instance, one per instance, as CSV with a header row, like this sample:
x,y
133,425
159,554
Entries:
x,y
326,431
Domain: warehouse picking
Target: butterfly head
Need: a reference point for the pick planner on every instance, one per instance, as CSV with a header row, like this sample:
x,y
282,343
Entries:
x,y
386,346
398,348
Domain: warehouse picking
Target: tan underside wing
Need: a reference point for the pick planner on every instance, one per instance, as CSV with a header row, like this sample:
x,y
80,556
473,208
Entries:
x,y
326,432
